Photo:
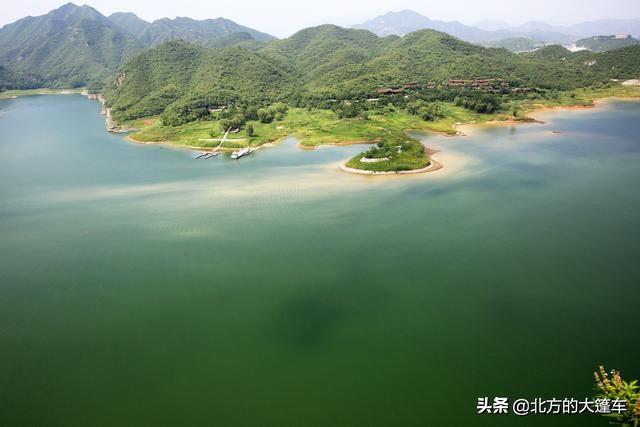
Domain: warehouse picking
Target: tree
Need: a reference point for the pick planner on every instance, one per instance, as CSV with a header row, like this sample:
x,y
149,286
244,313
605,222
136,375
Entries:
x,y
251,113
266,115
225,125
414,107
249,129
234,122
427,111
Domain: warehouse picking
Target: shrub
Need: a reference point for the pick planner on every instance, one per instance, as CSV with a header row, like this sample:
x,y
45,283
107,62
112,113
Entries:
x,y
613,387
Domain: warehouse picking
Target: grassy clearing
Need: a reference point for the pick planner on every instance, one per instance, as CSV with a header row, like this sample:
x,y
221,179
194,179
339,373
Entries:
x,y
317,127
311,128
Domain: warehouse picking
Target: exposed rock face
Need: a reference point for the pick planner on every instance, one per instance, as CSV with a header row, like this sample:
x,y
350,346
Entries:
x,y
111,125
120,79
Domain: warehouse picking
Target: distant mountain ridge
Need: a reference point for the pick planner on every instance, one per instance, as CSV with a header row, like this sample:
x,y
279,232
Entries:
x,y
605,43
129,23
77,45
408,21
202,32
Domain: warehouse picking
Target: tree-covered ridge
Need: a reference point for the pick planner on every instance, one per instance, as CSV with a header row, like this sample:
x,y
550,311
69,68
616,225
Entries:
x,y
335,62
218,32
78,46
188,80
129,23
514,44
68,47
605,43
362,86
202,32
328,64
586,67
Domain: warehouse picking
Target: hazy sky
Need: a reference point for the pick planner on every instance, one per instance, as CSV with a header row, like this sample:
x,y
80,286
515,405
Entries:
x,y
284,17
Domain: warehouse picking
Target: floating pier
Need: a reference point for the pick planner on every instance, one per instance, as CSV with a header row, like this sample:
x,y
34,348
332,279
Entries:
x,y
242,152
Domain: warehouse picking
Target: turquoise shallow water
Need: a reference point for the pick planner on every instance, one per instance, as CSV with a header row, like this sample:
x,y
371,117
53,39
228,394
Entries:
x,y
141,287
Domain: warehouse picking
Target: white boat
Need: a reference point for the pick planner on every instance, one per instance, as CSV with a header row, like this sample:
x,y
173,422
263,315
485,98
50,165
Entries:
x,y
242,152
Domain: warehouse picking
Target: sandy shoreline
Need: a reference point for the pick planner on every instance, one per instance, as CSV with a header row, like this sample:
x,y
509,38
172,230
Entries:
x,y
432,167
533,114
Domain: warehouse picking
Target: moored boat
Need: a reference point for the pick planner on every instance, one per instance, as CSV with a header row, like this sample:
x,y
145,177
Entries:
x,y
242,152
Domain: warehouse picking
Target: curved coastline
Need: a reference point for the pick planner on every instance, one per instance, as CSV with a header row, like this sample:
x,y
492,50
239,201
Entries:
x,y
433,165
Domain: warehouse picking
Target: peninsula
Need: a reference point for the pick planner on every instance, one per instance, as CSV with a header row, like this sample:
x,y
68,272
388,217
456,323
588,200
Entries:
x,y
171,82
363,89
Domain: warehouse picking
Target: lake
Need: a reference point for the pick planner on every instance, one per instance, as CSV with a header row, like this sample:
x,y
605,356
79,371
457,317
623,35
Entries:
x,y
139,286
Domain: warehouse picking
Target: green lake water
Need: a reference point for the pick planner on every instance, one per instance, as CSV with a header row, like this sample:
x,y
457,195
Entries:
x,y
141,287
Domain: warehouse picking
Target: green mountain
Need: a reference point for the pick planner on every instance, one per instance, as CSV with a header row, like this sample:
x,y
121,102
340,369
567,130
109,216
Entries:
x,y
204,32
589,67
328,57
329,62
76,46
129,23
245,40
182,76
514,44
605,43
218,32
335,62
68,47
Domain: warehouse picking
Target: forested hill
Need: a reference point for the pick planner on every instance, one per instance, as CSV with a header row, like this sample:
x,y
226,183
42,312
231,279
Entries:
x,y
70,46
129,23
207,32
204,32
197,77
78,46
329,62
605,43
620,63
